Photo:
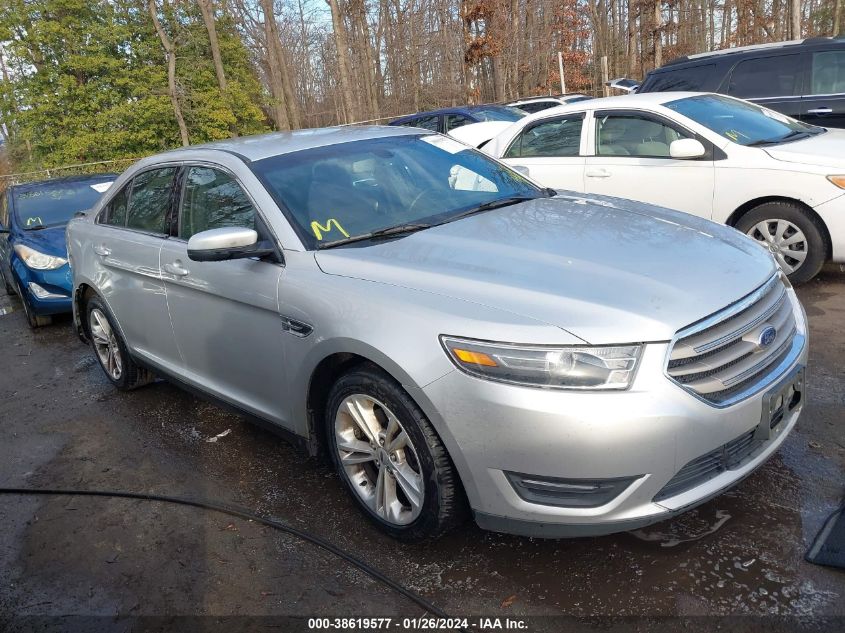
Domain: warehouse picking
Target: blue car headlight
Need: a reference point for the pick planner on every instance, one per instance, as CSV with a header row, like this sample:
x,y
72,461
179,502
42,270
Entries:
x,y
37,260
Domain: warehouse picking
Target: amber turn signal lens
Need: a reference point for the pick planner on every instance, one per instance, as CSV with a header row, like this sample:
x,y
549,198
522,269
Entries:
x,y
839,181
475,358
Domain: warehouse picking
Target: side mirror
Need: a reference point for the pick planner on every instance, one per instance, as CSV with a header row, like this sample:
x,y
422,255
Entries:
x,y
521,169
685,148
3,230
217,245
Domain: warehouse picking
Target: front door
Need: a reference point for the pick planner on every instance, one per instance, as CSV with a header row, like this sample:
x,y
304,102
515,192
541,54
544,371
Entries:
x,y
225,314
824,103
550,151
631,160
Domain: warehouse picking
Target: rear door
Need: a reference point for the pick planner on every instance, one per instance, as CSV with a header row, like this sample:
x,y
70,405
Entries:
x,y
551,150
124,244
225,314
824,100
631,160
773,81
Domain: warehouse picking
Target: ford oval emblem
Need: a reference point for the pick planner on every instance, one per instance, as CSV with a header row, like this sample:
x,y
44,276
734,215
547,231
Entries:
x,y
767,337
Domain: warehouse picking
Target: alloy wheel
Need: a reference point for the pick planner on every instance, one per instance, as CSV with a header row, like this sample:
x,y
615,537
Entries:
x,y
379,459
105,344
784,239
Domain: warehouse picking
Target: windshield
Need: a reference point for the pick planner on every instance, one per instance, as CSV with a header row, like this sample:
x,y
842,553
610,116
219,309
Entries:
x,y
740,121
53,204
357,188
498,113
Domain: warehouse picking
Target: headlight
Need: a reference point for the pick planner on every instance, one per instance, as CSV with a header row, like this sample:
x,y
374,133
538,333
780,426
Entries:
x,y
576,367
839,181
37,260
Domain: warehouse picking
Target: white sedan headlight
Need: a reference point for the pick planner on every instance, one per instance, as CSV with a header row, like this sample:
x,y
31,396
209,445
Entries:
x,y
37,260
569,367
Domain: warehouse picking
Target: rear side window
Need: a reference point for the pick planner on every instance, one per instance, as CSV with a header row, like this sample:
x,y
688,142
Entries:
x,y
115,213
425,122
694,78
150,200
555,137
828,73
777,76
212,199
456,120
535,106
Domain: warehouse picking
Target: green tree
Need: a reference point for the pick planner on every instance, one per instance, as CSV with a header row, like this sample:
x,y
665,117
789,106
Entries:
x,y
87,81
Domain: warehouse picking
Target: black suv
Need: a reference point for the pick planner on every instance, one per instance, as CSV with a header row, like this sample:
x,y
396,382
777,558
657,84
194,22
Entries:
x,y
804,79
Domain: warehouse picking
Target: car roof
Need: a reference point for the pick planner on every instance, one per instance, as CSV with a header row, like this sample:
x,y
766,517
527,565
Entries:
x,y
752,48
635,100
252,148
37,184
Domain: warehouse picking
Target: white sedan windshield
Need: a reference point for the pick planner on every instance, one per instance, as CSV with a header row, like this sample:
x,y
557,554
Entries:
x,y
740,121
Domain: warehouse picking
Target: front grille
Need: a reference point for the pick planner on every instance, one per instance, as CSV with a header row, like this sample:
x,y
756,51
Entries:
x,y
722,356
728,457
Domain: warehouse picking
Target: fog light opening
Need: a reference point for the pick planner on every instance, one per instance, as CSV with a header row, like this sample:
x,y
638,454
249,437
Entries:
x,y
573,493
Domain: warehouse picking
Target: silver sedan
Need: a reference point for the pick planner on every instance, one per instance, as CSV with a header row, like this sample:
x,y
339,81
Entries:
x,y
454,336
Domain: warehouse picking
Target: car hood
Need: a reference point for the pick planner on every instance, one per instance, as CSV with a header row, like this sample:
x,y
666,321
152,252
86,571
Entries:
x,y
50,241
827,150
603,269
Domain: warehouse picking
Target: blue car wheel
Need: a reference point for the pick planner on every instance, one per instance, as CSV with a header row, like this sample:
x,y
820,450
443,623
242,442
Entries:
x,y
34,320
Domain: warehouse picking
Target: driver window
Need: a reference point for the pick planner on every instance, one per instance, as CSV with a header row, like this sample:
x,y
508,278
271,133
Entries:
x,y
634,135
213,199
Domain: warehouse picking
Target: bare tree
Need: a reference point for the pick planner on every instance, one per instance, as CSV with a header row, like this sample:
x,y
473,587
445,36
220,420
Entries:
x,y
170,52
207,10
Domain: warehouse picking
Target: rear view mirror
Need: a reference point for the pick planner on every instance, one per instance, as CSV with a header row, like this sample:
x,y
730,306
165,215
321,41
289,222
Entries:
x,y
217,245
685,148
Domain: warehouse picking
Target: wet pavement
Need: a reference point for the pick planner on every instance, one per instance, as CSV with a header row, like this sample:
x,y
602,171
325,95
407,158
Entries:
x,y
62,425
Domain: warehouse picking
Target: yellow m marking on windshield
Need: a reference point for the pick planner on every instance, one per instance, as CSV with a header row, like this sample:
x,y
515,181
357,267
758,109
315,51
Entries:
x,y
319,229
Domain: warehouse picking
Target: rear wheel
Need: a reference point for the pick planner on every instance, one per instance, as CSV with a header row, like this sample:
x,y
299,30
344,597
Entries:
x,y
35,320
110,349
794,237
390,458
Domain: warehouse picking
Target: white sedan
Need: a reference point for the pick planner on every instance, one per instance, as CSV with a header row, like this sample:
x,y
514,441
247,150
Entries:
x,y
780,181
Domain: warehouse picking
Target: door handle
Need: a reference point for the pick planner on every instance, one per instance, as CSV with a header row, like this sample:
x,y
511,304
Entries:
x,y
102,251
176,268
597,173
820,111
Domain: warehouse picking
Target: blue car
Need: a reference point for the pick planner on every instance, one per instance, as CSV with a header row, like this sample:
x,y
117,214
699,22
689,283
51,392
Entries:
x,y
33,253
447,119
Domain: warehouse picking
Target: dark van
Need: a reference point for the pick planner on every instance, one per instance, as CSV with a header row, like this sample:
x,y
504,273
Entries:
x,y
804,79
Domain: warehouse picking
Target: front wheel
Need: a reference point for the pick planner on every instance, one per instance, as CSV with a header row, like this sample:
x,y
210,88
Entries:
x,y
390,458
793,236
34,320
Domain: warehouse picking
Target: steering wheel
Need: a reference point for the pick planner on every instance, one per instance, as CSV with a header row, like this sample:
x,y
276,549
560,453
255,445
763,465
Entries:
x,y
419,196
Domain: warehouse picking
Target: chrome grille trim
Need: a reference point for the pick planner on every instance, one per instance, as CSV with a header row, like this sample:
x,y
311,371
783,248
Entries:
x,y
719,359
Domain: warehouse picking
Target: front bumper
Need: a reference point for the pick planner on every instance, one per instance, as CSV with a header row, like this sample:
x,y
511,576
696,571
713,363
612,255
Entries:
x,y
651,431
57,283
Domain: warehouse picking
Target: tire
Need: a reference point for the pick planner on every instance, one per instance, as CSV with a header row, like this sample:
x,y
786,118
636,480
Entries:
x,y
110,349
6,285
775,224
422,463
35,321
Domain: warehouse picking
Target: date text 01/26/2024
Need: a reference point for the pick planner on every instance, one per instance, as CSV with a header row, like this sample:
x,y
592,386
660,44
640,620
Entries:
x,y
418,624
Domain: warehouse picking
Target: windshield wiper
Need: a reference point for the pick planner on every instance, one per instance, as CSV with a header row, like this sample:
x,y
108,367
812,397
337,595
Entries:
x,y
793,135
493,204
399,229
39,227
